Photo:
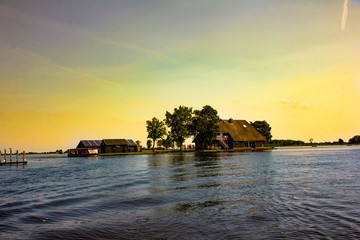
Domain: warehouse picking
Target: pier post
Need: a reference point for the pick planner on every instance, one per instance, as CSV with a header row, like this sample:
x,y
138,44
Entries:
x,y
10,156
0,157
5,155
24,157
17,156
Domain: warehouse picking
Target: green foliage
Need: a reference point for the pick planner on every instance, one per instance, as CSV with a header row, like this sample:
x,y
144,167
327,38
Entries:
x,y
263,128
355,139
148,143
286,142
156,130
138,143
179,123
167,142
341,141
204,125
60,151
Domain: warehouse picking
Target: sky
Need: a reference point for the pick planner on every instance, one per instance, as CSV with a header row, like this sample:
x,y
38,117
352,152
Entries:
x,y
86,69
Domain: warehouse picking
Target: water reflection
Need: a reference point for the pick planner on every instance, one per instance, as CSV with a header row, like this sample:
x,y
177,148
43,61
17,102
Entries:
x,y
212,181
263,195
179,171
207,164
192,206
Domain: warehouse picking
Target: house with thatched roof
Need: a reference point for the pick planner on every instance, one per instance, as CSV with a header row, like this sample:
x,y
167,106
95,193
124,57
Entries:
x,y
237,135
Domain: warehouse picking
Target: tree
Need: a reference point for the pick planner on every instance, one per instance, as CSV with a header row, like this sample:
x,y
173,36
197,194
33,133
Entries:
x,y
263,128
138,143
167,142
156,130
148,143
341,141
179,123
355,139
204,125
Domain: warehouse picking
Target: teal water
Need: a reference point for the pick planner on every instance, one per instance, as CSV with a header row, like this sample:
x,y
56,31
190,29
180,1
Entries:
x,y
288,193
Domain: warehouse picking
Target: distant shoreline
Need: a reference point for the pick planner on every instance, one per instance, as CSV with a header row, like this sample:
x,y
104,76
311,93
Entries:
x,y
268,147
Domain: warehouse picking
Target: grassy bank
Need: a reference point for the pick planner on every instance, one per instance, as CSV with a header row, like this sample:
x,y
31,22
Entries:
x,y
144,152
184,151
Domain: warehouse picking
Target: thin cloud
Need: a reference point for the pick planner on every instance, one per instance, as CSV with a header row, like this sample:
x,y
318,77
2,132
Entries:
x,y
285,100
86,75
303,105
295,105
12,13
22,53
344,15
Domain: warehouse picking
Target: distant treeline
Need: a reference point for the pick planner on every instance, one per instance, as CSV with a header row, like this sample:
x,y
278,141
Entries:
x,y
285,142
289,142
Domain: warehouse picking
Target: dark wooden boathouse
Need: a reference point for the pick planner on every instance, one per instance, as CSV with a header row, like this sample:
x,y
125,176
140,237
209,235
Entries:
x,y
90,144
118,146
132,147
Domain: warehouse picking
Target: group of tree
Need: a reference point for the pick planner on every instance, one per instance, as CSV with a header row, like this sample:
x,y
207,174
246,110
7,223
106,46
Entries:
x,y
285,142
355,139
183,123
263,128
156,130
289,142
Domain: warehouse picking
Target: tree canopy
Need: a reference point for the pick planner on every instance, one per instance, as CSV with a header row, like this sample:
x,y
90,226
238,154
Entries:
x,y
166,142
184,122
156,130
148,143
204,125
355,139
179,123
263,128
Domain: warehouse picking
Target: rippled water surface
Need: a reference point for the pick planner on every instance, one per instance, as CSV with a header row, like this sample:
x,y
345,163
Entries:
x,y
290,193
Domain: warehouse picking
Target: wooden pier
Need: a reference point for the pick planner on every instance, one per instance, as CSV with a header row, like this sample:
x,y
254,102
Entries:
x,y
11,162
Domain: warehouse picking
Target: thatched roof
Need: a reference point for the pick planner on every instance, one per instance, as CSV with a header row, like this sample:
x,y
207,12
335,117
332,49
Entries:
x,y
240,130
89,143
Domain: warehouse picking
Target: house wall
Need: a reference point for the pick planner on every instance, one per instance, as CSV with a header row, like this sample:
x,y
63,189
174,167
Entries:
x,y
234,144
118,149
132,149
239,145
114,149
249,144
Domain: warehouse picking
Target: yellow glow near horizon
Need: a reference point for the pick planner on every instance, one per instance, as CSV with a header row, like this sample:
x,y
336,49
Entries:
x,y
103,75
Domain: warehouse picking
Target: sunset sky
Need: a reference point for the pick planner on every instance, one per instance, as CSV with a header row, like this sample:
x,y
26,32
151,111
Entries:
x,y
72,70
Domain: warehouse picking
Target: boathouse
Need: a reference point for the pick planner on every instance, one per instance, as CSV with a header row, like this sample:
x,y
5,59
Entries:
x,y
237,135
118,146
132,147
90,144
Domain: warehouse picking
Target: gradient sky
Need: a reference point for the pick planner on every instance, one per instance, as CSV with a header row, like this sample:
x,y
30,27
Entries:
x,y
72,70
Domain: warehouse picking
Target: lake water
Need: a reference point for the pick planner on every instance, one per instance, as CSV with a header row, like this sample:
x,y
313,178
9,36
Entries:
x,y
288,193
